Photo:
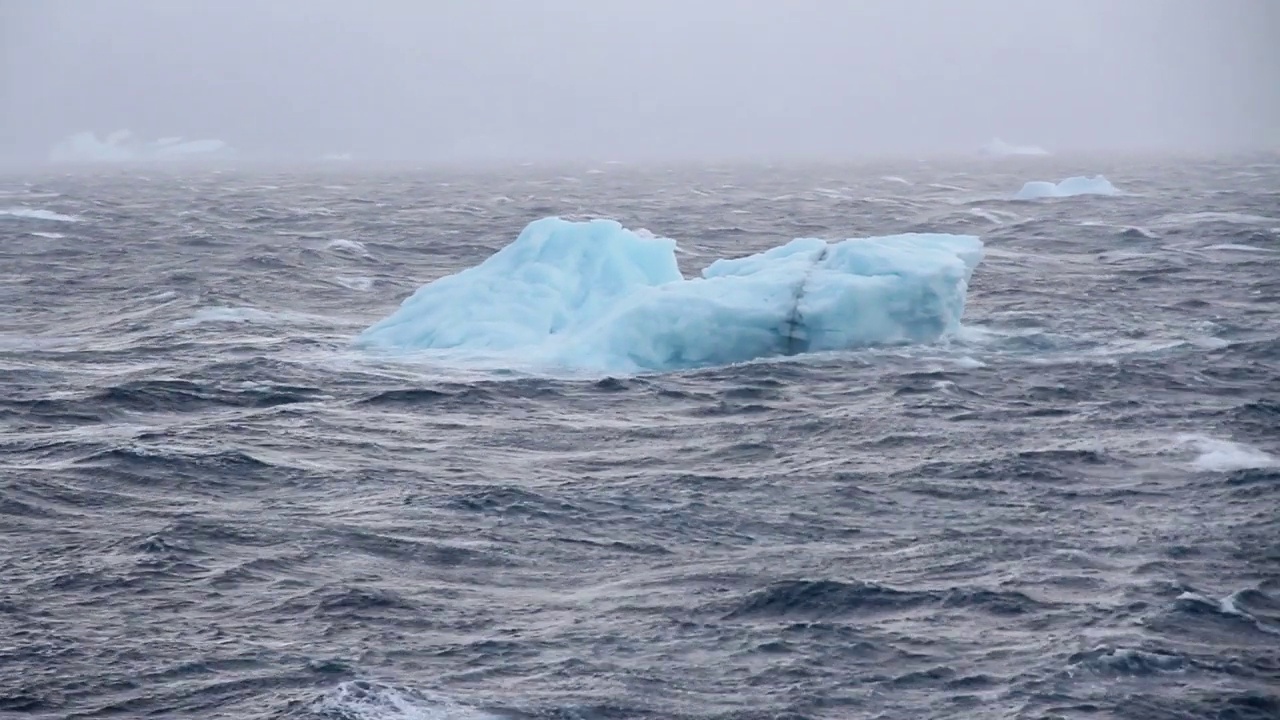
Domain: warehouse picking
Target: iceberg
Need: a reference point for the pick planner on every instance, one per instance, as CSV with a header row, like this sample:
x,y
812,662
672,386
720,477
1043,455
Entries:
x,y
121,146
594,296
998,147
1036,189
86,147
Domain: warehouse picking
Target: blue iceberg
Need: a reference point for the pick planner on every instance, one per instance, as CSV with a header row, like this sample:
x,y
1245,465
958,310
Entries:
x,y
1097,185
596,296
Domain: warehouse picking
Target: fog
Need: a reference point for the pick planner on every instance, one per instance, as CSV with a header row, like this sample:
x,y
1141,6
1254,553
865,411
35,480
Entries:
x,y
641,79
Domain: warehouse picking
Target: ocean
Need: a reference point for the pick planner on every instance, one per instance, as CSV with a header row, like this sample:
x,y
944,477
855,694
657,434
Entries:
x,y
212,505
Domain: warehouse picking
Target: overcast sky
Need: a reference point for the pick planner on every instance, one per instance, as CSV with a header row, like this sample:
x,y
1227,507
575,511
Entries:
x,y
636,79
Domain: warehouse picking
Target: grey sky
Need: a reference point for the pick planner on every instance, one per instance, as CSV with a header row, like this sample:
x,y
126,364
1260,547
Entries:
x,y
641,78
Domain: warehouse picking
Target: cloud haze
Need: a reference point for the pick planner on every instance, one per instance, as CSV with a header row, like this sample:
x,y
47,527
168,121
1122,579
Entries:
x,y
641,79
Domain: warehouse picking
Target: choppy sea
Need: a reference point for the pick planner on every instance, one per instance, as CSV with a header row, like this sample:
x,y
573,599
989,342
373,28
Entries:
x,y
213,506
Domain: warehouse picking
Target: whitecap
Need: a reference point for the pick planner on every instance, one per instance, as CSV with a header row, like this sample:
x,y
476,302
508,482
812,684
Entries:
x,y
985,215
361,700
359,284
343,245
249,315
1238,248
37,214
1217,455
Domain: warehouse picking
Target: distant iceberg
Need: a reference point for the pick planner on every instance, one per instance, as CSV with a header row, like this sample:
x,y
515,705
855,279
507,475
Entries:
x,y
595,296
86,147
1000,148
121,146
180,148
1036,189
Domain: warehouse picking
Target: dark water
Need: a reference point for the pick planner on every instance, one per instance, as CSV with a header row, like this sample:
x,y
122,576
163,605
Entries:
x,y
212,507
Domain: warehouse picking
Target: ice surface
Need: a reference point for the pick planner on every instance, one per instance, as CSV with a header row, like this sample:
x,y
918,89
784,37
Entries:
x,y
1097,185
596,296
121,146
1001,148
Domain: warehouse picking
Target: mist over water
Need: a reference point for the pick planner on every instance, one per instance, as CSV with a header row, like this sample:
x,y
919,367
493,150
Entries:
x,y
656,80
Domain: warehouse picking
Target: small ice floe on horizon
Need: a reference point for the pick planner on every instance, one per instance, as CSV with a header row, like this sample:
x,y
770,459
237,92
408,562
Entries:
x,y
1071,187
